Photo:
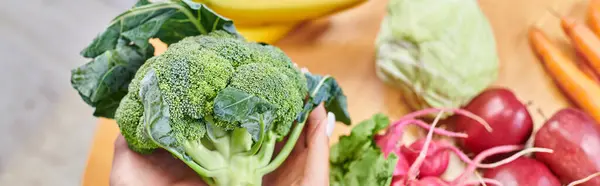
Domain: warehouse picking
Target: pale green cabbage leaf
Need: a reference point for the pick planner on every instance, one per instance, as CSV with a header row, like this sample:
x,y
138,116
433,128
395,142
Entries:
x,y
440,53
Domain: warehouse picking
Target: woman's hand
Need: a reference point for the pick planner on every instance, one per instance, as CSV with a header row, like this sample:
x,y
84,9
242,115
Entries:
x,y
308,164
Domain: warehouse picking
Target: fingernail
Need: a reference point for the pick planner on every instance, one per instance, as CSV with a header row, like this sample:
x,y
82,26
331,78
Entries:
x,y
330,124
304,70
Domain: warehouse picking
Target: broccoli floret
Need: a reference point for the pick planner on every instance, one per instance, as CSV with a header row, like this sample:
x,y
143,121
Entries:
x,y
188,129
128,117
273,84
190,78
222,104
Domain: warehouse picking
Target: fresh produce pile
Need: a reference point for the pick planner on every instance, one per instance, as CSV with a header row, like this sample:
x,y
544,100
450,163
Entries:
x,y
220,103
578,79
492,130
573,134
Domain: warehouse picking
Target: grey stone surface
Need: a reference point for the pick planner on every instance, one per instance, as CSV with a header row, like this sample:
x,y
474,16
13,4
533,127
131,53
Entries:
x,y
45,129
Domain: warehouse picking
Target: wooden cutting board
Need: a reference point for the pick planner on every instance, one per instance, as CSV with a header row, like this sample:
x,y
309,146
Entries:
x,y
343,46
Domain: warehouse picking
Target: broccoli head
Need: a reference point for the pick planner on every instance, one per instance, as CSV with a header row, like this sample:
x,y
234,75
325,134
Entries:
x,y
220,103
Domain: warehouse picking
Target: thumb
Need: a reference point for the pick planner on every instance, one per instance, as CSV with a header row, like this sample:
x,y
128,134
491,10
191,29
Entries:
x,y
317,167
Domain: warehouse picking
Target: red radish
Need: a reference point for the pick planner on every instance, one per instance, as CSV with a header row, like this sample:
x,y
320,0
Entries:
x,y
413,170
523,171
487,181
398,180
430,181
389,142
501,109
411,175
436,162
494,151
435,181
575,138
586,179
401,166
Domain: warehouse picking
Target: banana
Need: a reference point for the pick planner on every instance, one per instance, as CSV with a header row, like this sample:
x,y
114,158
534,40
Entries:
x,y
259,12
266,33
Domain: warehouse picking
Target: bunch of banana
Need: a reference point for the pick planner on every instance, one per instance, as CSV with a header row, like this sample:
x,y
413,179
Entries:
x,y
270,20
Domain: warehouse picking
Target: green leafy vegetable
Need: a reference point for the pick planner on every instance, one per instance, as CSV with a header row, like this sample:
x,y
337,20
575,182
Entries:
x,y
254,113
220,104
118,52
326,89
213,100
356,160
440,54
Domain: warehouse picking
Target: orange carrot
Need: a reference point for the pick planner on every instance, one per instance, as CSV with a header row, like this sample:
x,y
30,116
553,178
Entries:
x,y
584,41
593,16
576,84
585,68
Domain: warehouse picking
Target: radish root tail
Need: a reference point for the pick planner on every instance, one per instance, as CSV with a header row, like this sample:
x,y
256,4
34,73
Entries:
x,y
493,151
484,181
413,171
461,155
588,178
459,111
514,157
422,124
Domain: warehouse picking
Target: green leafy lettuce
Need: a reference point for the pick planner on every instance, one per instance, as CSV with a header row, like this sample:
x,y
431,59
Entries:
x,y
357,161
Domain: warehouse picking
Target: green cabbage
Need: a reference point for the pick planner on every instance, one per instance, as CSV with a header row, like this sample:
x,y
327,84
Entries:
x,y
439,53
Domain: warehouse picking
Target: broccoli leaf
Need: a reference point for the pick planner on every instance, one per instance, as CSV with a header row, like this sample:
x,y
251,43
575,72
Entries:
x,y
119,51
179,26
356,159
156,121
235,106
326,89
142,2
103,81
156,111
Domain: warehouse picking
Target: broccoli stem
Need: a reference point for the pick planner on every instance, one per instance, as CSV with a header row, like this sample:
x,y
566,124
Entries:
x,y
229,163
241,142
261,138
266,152
203,172
287,148
222,146
208,181
206,158
242,171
